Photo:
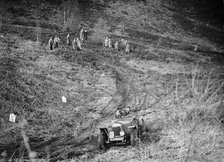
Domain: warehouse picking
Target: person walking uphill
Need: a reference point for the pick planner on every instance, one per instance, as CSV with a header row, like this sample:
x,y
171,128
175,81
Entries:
x,y
79,44
74,44
127,48
106,42
116,45
68,40
85,35
81,34
109,43
56,42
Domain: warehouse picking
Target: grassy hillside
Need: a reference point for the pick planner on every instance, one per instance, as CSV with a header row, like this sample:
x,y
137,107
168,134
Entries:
x,y
177,90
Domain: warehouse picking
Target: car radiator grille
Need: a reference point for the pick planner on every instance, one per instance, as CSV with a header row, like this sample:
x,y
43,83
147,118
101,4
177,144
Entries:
x,y
116,131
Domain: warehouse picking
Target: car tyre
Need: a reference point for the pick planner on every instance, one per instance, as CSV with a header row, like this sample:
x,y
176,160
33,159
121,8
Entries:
x,y
101,141
133,137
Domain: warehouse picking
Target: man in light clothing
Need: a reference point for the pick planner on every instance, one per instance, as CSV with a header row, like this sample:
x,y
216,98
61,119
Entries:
x,y
127,48
81,35
109,43
106,42
116,45
68,40
74,44
56,42
79,44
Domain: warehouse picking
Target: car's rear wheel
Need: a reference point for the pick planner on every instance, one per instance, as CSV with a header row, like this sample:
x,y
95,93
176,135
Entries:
x,y
101,141
133,137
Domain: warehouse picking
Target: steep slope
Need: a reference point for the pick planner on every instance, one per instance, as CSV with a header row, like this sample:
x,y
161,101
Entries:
x,y
163,79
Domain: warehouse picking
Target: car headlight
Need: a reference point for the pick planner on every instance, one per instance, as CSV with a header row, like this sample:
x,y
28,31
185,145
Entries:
x,y
111,135
122,133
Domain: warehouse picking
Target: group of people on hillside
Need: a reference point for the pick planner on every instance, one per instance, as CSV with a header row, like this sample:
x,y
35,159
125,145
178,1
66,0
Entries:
x,y
77,43
118,44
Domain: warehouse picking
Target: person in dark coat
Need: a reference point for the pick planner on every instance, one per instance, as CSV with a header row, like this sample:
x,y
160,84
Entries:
x,y
85,34
50,43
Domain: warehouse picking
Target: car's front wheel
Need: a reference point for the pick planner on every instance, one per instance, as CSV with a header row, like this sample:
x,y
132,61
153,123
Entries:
x,y
133,137
101,141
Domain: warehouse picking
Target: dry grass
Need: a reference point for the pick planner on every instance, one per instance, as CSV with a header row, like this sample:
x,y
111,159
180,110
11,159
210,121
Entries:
x,y
35,80
117,154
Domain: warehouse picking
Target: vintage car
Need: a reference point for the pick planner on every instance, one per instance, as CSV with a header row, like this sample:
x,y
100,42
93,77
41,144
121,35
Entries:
x,y
121,131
